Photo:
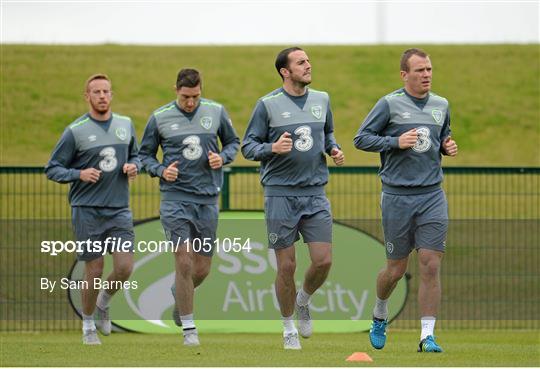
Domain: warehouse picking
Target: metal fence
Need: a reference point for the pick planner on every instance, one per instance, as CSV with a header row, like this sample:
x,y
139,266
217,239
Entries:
x,y
490,273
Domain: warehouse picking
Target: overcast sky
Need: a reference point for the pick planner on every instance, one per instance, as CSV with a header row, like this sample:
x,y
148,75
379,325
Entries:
x,y
269,22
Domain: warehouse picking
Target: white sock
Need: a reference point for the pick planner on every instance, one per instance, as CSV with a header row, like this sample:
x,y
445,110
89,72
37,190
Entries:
x,y
288,325
88,323
103,300
380,311
428,324
302,298
187,321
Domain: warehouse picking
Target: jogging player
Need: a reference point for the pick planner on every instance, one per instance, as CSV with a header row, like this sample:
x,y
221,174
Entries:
x,y
290,131
97,155
188,130
410,128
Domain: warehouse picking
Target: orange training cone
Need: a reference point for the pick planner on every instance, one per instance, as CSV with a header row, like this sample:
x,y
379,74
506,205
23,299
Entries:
x,y
360,356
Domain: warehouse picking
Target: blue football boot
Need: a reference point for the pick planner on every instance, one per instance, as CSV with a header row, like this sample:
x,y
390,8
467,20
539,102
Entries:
x,y
428,344
377,333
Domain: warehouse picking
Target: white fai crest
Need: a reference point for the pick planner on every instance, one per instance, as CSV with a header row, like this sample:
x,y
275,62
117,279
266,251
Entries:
x,y
390,247
121,133
206,122
316,110
437,115
273,238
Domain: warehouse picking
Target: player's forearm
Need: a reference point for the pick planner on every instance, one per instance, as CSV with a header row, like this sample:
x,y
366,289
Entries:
x,y
257,151
133,157
151,165
368,141
230,150
330,143
135,160
253,146
58,168
368,137
445,133
148,151
155,169
61,174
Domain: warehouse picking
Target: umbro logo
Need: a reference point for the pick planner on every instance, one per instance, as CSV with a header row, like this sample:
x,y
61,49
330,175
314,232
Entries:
x,y
286,114
92,138
406,115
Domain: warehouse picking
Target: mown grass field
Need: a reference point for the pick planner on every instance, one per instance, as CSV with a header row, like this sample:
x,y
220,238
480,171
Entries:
x,y
494,91
462,348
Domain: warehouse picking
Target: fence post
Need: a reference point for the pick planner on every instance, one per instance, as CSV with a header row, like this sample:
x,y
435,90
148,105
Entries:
x,y
225,199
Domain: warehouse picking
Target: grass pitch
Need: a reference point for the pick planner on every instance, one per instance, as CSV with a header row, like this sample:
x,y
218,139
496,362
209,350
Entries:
x,y
462,348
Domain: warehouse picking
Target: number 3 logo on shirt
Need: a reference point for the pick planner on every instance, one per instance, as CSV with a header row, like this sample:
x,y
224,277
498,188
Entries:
x,y
305,142
193,151
109,162
423,143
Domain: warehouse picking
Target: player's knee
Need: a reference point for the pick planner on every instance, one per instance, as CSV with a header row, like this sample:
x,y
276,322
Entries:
x,y
184,267
430,268
94,268
201,272
287,267
124,271
94,273
323,265
395,273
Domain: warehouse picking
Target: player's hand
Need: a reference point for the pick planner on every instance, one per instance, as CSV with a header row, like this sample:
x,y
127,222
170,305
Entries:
x,y
90,175
171,172
215,160
283,145
408,139
130,169
338,156
450,146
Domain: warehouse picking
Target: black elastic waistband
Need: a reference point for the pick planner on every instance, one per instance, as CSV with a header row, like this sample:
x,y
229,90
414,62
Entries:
x,y
402,190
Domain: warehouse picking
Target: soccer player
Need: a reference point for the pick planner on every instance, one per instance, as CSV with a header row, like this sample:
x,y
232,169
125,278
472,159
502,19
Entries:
x,y
410,127
97,154
191,177
290,130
